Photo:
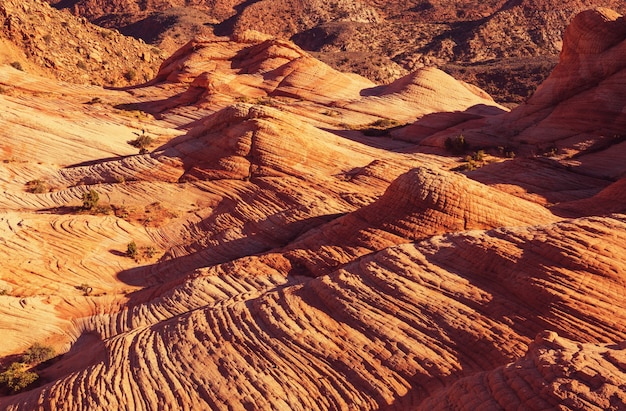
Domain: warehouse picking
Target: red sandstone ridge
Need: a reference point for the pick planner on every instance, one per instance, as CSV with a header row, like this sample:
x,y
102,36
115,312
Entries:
x,y
297,246
572,126
417,205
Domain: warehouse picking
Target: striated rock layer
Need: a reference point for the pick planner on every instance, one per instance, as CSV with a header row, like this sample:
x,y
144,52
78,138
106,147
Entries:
x,y
390,329
296,247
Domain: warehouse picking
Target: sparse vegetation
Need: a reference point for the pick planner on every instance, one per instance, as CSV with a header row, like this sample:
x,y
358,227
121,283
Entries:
x,y
90,199
550,151
38,353
131,250
473,161
456,145
477,156
18,376
149,251
266,101
142,142
130,75
380,127
36,187
506,152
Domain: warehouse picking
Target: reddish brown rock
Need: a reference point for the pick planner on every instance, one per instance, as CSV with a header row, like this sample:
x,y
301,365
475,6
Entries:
x,y
555,373
422,284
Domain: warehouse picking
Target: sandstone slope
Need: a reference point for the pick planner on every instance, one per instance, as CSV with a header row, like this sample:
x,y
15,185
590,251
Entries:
x,y
573,125
297,247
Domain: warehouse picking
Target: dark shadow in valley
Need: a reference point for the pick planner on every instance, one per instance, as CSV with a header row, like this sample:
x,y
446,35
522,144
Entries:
x,y
65,4
155,107
87,350
150,28
226,27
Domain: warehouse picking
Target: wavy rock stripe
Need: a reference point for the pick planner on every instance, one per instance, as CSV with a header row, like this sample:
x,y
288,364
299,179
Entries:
x,y
555,373
46,257
389,330
418,204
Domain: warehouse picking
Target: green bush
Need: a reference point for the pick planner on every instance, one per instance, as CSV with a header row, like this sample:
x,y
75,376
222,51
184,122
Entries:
x,y
37,353
90,199
17,377
456,145
36,187
131,250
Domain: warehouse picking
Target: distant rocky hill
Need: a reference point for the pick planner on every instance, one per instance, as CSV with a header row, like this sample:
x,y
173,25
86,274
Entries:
x,y
40,39
505,47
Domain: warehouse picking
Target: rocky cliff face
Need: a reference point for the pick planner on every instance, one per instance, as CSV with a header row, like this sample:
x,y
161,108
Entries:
x,y
304,239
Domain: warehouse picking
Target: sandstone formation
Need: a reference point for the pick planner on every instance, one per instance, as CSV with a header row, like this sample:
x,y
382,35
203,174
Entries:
x,y
572,126
506,47
554,373
295,245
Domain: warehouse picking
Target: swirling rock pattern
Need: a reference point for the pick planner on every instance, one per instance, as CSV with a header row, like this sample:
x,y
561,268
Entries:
x,y
287,260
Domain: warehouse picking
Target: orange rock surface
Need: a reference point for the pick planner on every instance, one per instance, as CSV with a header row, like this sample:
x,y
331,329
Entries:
x,y
299,247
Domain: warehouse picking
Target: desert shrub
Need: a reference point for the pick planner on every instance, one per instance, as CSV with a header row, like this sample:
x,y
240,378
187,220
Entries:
x,y
149,251
131,250
384,123
479,155
380,127
37,353
36,187
142,142
17,65
266,101
456,145
130,75
17,377
506,152
90,199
